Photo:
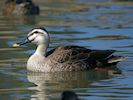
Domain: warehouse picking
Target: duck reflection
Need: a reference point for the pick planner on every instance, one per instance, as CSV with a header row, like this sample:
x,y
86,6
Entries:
x,y
30,19
69,95
50,84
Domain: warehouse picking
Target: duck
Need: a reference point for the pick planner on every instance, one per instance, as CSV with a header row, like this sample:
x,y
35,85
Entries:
x,y
66,57
69,95
20,7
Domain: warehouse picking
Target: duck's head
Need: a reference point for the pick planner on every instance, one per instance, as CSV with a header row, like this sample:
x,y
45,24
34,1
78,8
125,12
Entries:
x,y
38,36
69,95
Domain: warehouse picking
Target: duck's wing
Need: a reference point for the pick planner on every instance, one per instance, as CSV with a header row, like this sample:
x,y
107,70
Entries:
x,y
50,52
65,53
76,53
101,54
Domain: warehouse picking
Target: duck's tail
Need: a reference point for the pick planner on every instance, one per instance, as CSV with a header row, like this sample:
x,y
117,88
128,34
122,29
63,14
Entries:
x,y
116,59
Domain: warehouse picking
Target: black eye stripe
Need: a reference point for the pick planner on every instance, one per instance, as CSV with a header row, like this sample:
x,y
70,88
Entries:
x,y
30,34
36,32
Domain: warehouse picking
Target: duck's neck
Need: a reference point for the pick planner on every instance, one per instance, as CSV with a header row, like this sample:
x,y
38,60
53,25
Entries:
x,y
41,50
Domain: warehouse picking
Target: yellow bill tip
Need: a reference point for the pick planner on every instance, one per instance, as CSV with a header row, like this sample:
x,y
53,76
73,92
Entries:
x,y
16,45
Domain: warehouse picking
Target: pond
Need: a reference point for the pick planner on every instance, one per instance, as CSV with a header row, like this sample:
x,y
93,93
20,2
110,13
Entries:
x,y
95,24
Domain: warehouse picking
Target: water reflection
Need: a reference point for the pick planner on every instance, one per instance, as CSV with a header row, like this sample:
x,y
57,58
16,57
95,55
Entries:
x,y
48,84
30,19
124,0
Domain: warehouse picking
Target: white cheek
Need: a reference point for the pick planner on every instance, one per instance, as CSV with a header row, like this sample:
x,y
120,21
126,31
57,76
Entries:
x,y
32,37
39,39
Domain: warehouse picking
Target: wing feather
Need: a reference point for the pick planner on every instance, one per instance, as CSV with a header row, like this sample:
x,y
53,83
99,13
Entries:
x,y
66,53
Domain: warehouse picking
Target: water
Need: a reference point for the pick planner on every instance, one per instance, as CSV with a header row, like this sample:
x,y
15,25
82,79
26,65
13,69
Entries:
x,y
101,24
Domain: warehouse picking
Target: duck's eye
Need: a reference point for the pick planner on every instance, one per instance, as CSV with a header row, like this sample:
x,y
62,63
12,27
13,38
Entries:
x,y
36,32
31,34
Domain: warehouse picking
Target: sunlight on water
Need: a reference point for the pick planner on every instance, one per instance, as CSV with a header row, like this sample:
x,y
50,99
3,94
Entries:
x,y
96,24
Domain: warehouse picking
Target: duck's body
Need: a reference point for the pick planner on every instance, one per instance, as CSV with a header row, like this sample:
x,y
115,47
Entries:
x,y
65,58
70,58
20,7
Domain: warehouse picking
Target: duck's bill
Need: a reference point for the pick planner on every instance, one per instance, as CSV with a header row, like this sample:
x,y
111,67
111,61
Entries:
x,y
23,42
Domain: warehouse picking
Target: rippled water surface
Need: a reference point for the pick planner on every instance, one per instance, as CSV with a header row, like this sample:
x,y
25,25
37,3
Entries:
x,y
101,24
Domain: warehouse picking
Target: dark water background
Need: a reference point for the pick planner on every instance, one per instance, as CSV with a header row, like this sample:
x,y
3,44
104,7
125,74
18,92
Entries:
x,y
96,24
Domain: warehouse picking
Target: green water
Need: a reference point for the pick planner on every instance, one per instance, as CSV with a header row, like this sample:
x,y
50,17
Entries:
x,y
101,24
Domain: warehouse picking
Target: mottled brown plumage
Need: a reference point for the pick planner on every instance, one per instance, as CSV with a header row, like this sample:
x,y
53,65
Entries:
x,y
80,56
